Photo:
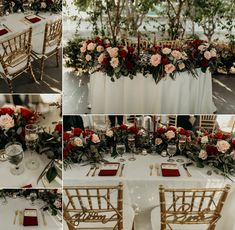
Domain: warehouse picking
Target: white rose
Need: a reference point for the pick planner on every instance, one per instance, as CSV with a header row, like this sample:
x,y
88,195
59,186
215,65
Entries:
x,y
77,141
204,139
95,139
114,62
58,203
158,141
109,133
43,5
91,46
100,49
207,55
166,50
213,52
222,146
181,65
170,134
184,56
203,154
88,57
6,121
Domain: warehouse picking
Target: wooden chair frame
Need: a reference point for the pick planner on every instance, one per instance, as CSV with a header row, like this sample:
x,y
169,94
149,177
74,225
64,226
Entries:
x,y
181,212
76,213
16,50
207,122
52,36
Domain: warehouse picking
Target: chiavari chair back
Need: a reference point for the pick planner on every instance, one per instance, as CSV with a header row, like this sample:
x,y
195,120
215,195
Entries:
x,y
86,207
15,57
191,206
207,122
172,120
174,44
51,44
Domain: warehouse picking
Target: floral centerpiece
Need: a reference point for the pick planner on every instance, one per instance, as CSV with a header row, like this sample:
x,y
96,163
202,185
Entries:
x,y
82,147
13,122
46,5
12,6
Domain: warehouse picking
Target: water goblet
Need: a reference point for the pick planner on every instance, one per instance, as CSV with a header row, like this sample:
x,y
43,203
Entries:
x,y
171,150
33,197
121,149
131,144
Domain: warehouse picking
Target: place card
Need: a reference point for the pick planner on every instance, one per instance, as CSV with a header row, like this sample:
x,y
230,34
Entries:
x,y
30,217
33,18
109,169
169,169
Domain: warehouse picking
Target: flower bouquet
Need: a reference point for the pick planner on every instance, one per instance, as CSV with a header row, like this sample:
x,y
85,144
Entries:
x,y
82,147
53,6
12,6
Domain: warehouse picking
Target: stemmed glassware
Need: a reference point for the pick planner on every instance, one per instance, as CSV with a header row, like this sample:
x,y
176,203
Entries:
x,y
121,149
171,150
31,138
33,197
15,155
181,145
131,144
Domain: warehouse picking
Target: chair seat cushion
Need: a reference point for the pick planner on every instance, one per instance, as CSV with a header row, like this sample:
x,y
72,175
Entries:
x,y
14,69
156,223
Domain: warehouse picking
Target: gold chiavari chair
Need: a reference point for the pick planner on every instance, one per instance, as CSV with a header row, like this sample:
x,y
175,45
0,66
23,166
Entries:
x,y
172,120
15,57
96,207
51,44
207,122
173,44
194,206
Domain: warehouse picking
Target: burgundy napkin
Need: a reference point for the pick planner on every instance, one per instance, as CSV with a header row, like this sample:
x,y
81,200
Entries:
x,y
33,20
170,170
30,217
27,186
109,169
3,31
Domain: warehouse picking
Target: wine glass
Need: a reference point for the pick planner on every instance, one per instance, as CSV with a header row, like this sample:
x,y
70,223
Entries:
x,y
33,197
171,150
181,145
131,144
121,149
31,138
15,155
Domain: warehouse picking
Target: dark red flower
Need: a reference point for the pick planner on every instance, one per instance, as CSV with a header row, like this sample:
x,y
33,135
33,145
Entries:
x,y
4,111
128,64
218,135
165,61
161,130
88,133
131,49
123,127
195,43
133,130
66,136
58,128
99,41
123,53
67,149
157,49
204,62
167,46
105,61
49,2
26,113
184,132
211,150
172,128
233,144
77,131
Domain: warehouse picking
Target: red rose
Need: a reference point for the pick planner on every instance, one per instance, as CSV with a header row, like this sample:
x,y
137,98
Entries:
x,y
77,131
133,130
165,61
195,43
161,130
88,133
226,136
167,46
128,64
233,144
58,128
157,49
105,61
49,2
131,49
184,132
66,136
99,41
123,127
172,128
218,135
204,62
4,111
211,150
123,53
67,149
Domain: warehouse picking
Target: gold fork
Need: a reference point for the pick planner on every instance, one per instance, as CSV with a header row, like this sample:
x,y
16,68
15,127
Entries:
x,y
96,168
157,169
151,169
20,217
16,213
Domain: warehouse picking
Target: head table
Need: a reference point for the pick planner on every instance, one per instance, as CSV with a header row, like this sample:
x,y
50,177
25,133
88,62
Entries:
x,y
141,190
28,177
185,95
8,212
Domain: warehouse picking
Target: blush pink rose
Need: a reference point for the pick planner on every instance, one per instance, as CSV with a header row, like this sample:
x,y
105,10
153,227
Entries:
x,y
101,58
203,154
169,68
213,52
114,62
88,57
155,60
158,141
83,49
95,139
222,146
176,54
170,134
113,52
109,133
100,49
6,122
91,46
207,55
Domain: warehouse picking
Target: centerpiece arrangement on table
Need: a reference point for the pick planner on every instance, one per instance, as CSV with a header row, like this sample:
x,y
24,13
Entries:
x,y
120,60
216,150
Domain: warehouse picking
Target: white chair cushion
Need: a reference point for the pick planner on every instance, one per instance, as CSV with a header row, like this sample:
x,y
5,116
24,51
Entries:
x,y
156,223
128,219
14,69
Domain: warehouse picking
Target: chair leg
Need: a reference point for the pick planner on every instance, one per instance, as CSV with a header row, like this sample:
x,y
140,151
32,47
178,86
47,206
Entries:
x,y
32,73
9,82
133,226
57,58
211,227
42,67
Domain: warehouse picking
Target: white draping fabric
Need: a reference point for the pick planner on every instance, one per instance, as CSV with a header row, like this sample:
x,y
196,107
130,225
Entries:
x,y
184,95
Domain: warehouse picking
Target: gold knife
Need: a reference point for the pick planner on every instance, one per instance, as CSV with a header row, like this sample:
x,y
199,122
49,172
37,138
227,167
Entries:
x,y
44,219
121,173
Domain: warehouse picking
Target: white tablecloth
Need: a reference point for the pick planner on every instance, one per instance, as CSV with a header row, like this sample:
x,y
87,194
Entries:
x,y
7,214
7,180
141,189
184,95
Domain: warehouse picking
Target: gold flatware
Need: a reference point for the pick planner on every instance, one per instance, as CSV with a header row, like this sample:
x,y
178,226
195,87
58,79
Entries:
x,y
157,169
44,218
20,217
91,168
16,213
186,169
121,173
151,169
96,168
6,27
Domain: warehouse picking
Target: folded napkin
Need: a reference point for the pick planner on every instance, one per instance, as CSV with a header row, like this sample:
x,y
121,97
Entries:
x,y
109,169
33,19
3,31
27,186
169,169
30,217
